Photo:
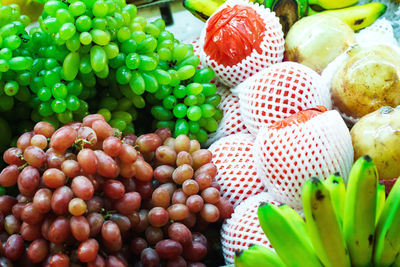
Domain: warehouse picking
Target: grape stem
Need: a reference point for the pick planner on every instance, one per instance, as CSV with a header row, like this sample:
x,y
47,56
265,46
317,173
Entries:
x,y
23,166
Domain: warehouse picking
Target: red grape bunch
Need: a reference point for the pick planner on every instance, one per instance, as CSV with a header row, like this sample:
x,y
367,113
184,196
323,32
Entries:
x,y
89,196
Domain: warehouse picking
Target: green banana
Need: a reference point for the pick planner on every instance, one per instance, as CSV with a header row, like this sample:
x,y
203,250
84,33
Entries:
x,y
329,4
323,225
259,256
337,189
289,242
380,201
358,17
396,263
387,234
295,218
359,211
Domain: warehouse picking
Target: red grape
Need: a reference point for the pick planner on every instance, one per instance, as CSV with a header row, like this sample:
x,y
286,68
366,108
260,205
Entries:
x,y
210,195
87,137
59,260
11,224
110,231
88,161
12,156
158,216
128,153
112,146
225,208
14,248
63,138
163,173
182,143
168,249
42,200
98,262
138,244
106,166
82,187
163,133
54,158
195,203
129,203
89,119
9,176
24,140
30,214
177,262
148,142
87,251
60,200
113,189
166,155
102,129
150,258
208,168
38,250
144,171
160,198
194,146
182,173
39,140
209,213
94,204
95,221
196,251
54,178
180,233
30,232
203,180
201,157
59,230
179,197
113,261
184,157
178,212
44,128
6,204
77,206
71,168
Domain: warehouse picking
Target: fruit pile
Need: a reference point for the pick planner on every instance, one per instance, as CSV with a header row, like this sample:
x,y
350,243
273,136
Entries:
x,y
353,226
88,194
98,56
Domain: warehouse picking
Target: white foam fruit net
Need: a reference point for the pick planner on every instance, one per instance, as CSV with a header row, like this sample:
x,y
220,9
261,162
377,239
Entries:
x,y
272,48
243,228
196,48
280,91
287,157
237,174
380,32
231,122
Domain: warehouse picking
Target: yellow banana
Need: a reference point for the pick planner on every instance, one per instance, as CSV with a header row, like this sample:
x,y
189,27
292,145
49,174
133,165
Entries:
x,y
323,226
289,242
387,242
359,211
329,4
259,256
337,189
380,201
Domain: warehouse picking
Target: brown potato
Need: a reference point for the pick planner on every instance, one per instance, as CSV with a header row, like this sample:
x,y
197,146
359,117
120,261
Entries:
x,y
378,135
368,80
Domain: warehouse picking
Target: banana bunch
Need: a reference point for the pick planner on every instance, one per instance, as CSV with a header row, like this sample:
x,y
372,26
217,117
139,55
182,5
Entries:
x,y
289,11
343,227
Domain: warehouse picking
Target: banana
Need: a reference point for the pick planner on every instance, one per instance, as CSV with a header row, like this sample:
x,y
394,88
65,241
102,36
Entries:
x,y
380,201
323,225
289,242
387,234
295,218
337,189
259,256
357,17
329,4
396,263
359,211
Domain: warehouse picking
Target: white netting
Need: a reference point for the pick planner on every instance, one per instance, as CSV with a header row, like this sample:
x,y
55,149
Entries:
x,y
287,157
272,48
243,228
279,91
231,122
379,33
237,175
196,48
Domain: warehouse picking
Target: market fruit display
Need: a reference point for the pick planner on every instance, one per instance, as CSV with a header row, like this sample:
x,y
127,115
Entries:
x,y
367,80
376,134
352,226
89,194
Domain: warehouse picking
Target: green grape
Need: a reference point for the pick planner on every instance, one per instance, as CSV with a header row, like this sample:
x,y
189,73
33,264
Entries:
x,y
99,23
4,65
111,23
194,113
141,20
60,53
194,89
200,99
168,44
51,51
103,73
6,102
71,66
133,26
106,113
89,80
52,120
194,127
181,127
50,63
124,104
138,36
160,113
64,16
44,94
152,29
151,84
24,78
100,8
35,116
147,63
137,83
77,8
5,53
165,35
123,34
111,50
59,91
169,102
98,58
202,136
119,19
45,109
67,30
174,77
118,123
128,46
207,110
203,75
190,100
52,6
166,124
213,100
131,10
73,103
202,122
123,75
179,52
138,101
132,61
11,88
50,78
133,113
152,100
111,6
37,83
117,61
186,72
125,90
65,117
180,110
130,129
109,103
83,107
123,115
163,77
146,46
165,54
74,87
20,63
218,114
163,92
191,60
100,37
73,44
58,105
8,29
25,20
209,89
211,125
160,24
83,23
